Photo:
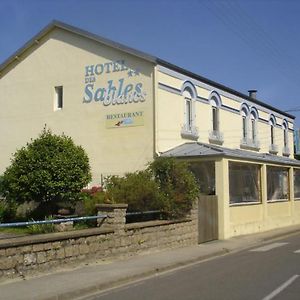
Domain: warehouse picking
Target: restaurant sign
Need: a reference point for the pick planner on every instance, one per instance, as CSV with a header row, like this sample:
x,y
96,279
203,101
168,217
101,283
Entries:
x,y
127,119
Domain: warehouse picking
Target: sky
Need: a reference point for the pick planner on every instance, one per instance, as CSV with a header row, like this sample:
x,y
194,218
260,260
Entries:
x,y
243,44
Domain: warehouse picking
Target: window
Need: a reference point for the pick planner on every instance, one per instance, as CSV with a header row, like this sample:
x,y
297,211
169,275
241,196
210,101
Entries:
x,y
188,129
188,113
272,135
253,128
244,119
273,148
215,118
205,175
244,183
277,183
58,98
285,150
215,136
297,183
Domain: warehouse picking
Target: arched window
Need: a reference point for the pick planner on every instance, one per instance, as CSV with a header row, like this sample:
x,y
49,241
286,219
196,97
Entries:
x,y
285,150
249,128
273,147
215,136
253,120
189,130
245,117
189,119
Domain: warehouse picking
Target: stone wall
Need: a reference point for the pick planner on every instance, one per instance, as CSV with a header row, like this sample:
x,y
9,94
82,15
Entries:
x,y
28,255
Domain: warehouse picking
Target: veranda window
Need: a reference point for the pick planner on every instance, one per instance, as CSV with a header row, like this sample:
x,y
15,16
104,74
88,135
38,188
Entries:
x,y
244,183
297,183
205,176
277,183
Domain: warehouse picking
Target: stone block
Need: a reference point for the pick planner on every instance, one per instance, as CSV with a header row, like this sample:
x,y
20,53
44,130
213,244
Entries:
x,y
84,249
68,251
41,257
26,249
7,263
48,246
11,251
51,255
38,247
2,252
56,245
75,250
60,253
29,259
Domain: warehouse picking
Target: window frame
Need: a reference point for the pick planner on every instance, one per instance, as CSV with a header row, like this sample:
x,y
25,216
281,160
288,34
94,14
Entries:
x,y
288,197
58,98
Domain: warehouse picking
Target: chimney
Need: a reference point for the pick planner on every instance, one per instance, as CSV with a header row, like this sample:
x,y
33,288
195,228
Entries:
x,y
252,93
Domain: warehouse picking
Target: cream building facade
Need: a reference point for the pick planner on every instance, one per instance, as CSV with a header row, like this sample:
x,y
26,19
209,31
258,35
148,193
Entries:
x,y
125,107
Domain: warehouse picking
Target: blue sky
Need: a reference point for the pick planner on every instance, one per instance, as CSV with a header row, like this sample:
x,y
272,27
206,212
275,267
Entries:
x,y
241,44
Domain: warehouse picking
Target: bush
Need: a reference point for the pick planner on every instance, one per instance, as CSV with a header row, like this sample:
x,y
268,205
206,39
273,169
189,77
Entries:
x,y
50,170
41,228
91,197
177,184
7,210
139,190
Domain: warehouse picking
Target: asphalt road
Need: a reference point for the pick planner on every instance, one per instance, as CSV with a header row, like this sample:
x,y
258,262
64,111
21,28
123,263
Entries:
x,y
269,271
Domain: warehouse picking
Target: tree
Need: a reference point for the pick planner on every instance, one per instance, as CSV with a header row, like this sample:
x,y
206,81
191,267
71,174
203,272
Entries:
x,y
50,170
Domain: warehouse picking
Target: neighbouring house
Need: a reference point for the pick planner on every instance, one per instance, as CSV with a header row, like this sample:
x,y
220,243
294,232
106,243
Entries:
x,y
125,107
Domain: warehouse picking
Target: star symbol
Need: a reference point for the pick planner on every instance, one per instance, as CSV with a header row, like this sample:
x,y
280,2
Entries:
x,y
130,73
137,72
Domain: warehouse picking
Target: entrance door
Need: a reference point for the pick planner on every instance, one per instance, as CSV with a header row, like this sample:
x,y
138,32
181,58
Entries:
x,y
207,218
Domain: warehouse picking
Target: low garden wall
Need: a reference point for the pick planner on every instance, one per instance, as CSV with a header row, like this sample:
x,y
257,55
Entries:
x,y
29,255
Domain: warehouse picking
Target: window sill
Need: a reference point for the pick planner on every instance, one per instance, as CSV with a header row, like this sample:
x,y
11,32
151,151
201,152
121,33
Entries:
x,y
189,133
249,147
279,200
244,203
250,144
215,141
216,137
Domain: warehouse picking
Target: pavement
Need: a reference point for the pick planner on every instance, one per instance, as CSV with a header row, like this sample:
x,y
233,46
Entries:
x,y
92,278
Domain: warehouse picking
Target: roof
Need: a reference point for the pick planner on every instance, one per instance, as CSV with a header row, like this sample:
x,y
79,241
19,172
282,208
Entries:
x,y
196,149
57,24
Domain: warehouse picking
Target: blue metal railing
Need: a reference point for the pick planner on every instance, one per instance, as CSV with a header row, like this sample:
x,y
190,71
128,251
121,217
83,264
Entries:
x,y
54,221
135,213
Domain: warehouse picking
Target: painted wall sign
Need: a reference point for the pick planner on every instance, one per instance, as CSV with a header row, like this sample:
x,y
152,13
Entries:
x,y
113,92
127,119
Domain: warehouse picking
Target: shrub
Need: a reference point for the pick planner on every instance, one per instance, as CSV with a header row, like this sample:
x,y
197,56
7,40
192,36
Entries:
x,y
91,197
177,184
50,170
41,228
139,190
7,210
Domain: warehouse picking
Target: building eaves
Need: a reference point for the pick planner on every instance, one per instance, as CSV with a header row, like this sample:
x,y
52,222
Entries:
x,y
132,51
202,150
221,86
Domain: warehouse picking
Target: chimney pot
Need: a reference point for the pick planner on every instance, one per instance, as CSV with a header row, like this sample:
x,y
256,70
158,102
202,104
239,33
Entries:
x,y
252,93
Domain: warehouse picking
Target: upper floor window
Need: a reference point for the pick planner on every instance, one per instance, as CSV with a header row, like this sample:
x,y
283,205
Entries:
x,y
189,130
188,113
249,128
254,118
215,118
58,98
215,136
273,147
285,150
